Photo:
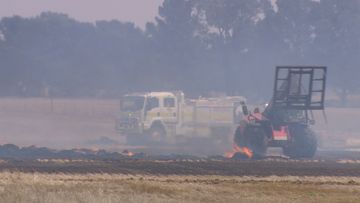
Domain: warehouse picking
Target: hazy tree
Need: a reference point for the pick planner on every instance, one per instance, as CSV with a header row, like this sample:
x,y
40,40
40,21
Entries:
x,y
198,46
337,43
231,25
174,38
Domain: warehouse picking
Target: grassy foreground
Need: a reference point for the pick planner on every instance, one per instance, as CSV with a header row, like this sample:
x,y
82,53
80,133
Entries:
x,y
36,187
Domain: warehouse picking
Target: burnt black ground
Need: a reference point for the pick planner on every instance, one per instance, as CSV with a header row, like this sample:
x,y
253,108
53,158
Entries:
x,y
33,159
177,167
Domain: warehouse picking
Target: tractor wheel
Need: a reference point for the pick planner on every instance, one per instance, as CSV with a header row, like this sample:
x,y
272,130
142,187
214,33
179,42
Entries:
x,y
253,138
303,143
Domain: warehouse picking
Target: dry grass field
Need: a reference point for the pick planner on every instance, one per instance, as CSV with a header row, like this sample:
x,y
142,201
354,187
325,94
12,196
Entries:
x,y
341,130
37,187
61,123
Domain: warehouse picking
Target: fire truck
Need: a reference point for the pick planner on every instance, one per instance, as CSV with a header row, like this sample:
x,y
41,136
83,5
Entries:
x,y
169,117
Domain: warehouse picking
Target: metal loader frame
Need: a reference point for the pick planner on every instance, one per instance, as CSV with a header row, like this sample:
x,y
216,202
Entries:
x,y
299,87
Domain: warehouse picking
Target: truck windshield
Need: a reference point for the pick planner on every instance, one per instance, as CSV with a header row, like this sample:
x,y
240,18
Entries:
x,y
132,103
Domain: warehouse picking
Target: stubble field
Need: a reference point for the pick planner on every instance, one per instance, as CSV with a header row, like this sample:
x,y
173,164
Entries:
x,y
36,187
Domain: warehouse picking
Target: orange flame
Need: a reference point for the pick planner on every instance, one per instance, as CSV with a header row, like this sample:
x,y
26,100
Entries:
x,y
128,153
229,154
248,152
237,149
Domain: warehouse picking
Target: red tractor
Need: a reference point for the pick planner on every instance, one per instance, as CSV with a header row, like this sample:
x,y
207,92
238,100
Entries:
x,y
286,120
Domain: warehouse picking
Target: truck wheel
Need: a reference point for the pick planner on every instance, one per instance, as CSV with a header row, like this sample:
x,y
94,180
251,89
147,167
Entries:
x,y
157,135
303,143
253,138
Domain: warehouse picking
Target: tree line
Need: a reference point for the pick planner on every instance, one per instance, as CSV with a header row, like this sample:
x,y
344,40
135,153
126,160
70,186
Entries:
x,y
198,46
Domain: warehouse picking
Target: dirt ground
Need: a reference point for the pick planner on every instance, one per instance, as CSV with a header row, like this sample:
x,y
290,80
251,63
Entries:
x,y
40,187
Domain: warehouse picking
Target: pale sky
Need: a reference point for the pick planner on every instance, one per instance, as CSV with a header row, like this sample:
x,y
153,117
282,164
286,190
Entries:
x,y
137,11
